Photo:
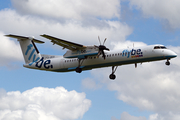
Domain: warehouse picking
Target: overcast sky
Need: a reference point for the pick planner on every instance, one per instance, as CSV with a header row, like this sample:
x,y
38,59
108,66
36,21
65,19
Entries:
x,y
149,92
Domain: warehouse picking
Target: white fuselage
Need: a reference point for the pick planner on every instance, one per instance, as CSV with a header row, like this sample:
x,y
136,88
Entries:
x,y
113,58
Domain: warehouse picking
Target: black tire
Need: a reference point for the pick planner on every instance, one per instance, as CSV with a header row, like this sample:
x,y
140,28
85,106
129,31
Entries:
x,y
112,76
167,63
78,70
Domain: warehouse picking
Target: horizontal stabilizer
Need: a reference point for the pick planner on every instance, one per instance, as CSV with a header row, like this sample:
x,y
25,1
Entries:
x,y
24,38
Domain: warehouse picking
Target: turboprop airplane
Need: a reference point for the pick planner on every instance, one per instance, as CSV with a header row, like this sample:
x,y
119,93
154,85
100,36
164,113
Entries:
x,y
79,57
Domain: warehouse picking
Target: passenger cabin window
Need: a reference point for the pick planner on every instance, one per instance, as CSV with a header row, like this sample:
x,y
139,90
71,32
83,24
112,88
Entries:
x,y
160,47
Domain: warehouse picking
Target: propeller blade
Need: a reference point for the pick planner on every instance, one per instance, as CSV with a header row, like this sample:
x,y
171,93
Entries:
x,y
99,53
101,48
104,40
99,40
104,56
107,49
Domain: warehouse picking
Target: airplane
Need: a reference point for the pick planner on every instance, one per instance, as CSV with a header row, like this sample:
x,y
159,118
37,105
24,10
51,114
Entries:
x,y
80,58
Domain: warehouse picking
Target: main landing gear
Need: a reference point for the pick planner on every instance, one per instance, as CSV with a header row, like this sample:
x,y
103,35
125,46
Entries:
x,y
167,62
79,69
112,76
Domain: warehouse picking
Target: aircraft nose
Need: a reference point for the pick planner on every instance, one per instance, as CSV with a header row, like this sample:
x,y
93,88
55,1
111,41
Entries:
x,y
173,54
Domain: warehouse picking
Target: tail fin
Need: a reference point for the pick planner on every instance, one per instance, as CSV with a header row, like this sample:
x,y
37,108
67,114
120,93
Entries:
x,y
29,49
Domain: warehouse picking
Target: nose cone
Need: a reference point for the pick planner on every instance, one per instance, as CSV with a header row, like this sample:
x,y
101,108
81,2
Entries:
x,y
172,54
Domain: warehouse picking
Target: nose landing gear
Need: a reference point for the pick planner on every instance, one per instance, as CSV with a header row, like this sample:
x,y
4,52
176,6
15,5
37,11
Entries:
x,y
167,62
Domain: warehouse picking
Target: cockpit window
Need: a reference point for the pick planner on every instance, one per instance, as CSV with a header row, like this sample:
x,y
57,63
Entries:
x,y
163,47
160,47
157,47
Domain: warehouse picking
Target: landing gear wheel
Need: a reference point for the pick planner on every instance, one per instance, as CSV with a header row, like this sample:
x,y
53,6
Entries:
x,y
167,63
78,70
112,76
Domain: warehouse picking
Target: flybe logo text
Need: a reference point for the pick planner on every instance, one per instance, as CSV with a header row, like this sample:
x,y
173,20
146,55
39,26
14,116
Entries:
x,y
33,57
45,63
32,54
132,53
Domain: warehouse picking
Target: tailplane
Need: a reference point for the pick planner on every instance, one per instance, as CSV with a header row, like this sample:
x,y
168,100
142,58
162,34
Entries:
x,y
30,52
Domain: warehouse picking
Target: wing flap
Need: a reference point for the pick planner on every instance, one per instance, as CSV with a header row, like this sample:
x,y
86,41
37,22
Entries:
x,y
65,44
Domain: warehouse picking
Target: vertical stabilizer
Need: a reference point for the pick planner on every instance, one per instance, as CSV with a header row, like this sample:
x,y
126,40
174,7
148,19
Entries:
x,y
29,49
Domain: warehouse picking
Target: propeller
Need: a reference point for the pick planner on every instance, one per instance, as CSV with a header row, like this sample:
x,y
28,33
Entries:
x,y
101,48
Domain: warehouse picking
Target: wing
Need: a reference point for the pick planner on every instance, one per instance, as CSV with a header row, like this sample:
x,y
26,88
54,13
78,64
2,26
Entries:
x,y
65,44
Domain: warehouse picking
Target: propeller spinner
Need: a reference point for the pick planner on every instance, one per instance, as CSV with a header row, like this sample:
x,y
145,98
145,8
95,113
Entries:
x,y
101,48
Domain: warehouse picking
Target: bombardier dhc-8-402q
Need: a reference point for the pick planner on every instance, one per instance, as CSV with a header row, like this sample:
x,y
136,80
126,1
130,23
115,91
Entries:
x,y
79,57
